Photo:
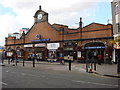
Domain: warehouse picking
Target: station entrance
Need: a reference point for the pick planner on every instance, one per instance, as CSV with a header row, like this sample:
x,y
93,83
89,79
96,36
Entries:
x,y
96,48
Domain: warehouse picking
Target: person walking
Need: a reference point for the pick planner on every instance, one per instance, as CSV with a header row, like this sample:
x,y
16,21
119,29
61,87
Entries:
x,y
106,58
3,56
99,59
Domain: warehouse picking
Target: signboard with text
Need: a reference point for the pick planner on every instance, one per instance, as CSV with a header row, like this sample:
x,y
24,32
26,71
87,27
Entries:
x,y
53,45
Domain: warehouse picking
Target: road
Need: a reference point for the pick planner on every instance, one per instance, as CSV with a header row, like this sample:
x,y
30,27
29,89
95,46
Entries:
x,y
26,77
42,77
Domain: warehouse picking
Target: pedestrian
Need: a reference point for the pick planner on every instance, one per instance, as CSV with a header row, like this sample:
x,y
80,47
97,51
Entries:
x,y
61,59
89,55
3,56
12,58
106,58
33,58
99,59
110,59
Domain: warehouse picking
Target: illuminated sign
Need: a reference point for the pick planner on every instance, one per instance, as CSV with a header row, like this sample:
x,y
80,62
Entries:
x,y
117,41
53,45
40,45
40,40
98,47
30,45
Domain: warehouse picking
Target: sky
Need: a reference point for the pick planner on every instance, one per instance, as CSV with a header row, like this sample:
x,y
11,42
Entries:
x,y
17,14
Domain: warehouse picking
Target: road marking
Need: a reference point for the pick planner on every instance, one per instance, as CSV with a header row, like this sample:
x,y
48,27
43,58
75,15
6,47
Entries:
x,y
94,83
26,74
3,83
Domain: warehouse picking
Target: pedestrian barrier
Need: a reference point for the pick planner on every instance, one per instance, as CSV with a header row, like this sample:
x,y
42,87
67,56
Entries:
x,y
90,68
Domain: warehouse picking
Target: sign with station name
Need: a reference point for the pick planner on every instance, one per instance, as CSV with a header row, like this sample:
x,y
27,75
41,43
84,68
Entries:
x,y
40,40
98,47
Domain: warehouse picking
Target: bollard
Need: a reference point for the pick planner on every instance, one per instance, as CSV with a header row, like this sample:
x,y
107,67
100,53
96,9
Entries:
x,y
16,62
8,60
95,66
33,62
90,68
87,65
69,62
23,63
69,65
2,61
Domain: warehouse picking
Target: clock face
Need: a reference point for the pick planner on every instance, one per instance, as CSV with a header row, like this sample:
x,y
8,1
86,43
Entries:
x,y
39,16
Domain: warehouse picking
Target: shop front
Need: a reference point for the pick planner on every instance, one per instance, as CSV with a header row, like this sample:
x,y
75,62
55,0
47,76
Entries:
x,y
20,53
117,51
40,51
29,51
79,55
9,53
69,50
52,51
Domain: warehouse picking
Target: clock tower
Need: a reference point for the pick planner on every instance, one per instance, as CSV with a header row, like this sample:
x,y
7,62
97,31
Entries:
x,y
41,16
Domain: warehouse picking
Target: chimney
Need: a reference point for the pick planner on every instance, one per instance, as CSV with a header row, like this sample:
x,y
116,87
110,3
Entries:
x,y
80,23
40,7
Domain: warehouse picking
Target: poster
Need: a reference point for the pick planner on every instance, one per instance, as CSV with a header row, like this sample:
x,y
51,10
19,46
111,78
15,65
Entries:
x,y
79,54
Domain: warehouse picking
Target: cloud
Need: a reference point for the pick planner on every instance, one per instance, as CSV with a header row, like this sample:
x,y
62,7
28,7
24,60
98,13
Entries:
x,y
60,11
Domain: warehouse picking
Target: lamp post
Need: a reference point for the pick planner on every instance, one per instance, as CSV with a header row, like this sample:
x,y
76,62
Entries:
x,y
23,35
80,27
33,55
15,52
118,66
62,28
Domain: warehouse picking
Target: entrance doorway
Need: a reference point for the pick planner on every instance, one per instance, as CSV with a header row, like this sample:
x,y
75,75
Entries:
x,y
96,47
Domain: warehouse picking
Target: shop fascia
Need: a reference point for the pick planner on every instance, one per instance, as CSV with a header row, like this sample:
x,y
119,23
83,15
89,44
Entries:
x,y
50,46
53,46
117,41
36,45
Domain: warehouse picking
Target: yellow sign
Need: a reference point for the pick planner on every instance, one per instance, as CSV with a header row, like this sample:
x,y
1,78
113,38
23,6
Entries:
x,y
111,41
117,45
117,41
117,38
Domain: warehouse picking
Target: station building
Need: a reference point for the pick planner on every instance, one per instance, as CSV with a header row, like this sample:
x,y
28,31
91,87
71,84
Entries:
x,y
53,41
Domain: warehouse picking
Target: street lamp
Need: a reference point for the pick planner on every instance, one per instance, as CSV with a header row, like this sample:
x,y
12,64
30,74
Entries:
x,y
23,35
118,70
80,27
62,29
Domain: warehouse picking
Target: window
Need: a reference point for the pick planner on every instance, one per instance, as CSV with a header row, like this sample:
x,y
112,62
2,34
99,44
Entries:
x,y
117,8
116,17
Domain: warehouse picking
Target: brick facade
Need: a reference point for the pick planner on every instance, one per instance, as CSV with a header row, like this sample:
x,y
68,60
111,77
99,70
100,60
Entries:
x,y
93,32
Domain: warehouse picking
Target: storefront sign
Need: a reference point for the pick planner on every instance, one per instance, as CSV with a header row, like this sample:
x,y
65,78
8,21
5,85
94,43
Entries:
x,y
111,41
40,45
98,47
40,40
30,45
117,41
53,45
117,45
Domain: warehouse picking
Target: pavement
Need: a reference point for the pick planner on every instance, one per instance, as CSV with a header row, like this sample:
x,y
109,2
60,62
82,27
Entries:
x,y
103,69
